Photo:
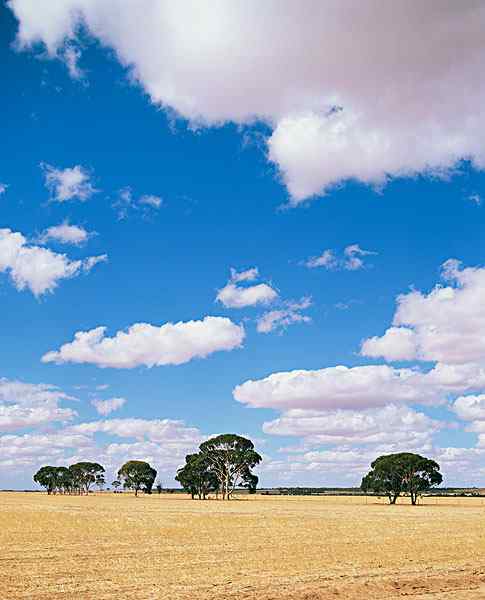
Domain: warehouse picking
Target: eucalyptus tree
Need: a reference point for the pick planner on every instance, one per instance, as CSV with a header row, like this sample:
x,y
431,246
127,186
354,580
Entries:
x,y
405,472
196,477
230,457
137,475
86,474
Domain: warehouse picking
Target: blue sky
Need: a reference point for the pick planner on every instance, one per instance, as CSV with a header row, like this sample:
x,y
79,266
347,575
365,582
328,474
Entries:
x,y
235,191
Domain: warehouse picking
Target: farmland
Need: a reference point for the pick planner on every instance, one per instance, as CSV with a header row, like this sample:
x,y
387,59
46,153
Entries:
x,y
118,546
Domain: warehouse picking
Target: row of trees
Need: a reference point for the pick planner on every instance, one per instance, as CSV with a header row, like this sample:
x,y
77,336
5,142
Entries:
x,y
222,463
79,478
226,462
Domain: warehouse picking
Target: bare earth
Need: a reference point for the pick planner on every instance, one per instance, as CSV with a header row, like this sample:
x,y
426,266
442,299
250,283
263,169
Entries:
x,y
306,548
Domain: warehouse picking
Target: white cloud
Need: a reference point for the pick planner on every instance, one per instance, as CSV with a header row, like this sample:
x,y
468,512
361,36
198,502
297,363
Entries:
x,y
71,56
475,198
65,234
327,259
470,408
389,424
236,296
398,343
105,407
3,188
337,387
248,275
340,107
445,325
92,261
150,345
154,430
359,387
151,200
162,442
36,268
125,202
68,184
352,259
28,405
280,319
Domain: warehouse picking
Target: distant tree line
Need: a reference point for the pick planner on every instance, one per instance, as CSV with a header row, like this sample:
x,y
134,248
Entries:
x,y
222,464
225,462
79,478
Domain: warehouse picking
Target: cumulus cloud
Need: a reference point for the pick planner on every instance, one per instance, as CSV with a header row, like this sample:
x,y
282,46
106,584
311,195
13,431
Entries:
x,y
68,184
65,234
36,268
352,259
150,345
446,325
398,343
233,295
470,408
328,122
288,315
162,442
3,188
388,424
28,405
105,407
337,387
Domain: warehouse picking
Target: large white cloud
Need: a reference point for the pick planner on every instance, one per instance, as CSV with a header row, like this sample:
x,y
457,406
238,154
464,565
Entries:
x,y
25,405
446,325
351,90
470,408
150,345
37,268
162,442
337,387
396,424
359,387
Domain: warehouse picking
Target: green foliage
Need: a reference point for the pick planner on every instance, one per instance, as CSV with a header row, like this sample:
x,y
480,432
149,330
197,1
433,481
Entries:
x,y
196,477
49,478
395,474
116,484
85,474
137,475
230,457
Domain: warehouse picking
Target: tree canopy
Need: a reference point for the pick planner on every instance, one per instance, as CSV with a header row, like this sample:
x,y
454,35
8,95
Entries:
x,y
137,475
85,474
395,474
196,476
230,457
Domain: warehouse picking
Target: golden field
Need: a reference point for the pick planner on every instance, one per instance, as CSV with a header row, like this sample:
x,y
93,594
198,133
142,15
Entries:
x,y
256,547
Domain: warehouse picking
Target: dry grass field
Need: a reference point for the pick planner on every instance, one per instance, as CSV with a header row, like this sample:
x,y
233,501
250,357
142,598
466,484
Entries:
x,y
117,546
